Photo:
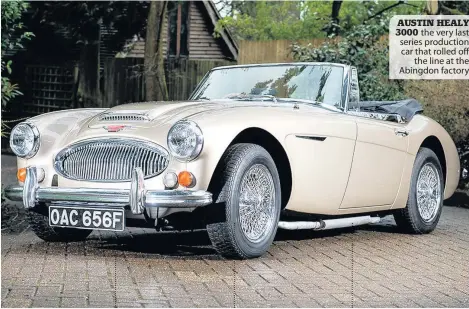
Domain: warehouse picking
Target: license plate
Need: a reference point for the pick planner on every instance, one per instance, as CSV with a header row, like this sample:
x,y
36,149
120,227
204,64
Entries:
x,y
87,218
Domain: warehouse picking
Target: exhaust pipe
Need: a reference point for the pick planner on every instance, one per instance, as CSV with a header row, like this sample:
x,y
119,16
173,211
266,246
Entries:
x,y
328,224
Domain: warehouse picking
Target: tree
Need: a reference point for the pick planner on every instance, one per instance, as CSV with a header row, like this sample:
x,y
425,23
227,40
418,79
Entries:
x,y
271,20
83,22
333,27
84,19
362,46
296,20
155,81
13,36
81,19
435,7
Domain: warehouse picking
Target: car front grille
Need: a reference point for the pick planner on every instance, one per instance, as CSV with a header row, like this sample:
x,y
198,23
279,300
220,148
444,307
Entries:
x,y
110,159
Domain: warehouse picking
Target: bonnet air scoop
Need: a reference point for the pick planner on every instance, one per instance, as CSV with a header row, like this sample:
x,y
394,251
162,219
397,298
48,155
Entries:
x,y
146,114
124,116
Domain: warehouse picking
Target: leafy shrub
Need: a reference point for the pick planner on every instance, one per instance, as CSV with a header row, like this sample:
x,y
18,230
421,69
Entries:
x,y
13,34
366,47
446,101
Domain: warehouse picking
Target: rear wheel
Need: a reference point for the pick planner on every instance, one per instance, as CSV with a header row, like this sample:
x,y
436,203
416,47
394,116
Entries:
x,y
39,223
251,200
425,201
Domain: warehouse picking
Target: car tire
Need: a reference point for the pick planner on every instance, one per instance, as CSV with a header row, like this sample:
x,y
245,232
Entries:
x,y
425,201
39,223
248,220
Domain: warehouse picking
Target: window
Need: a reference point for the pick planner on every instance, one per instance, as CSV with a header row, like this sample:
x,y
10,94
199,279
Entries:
x,y
178,28
321,83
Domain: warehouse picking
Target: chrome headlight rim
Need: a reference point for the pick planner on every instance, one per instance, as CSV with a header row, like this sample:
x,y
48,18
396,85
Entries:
x,y
199,141
36,140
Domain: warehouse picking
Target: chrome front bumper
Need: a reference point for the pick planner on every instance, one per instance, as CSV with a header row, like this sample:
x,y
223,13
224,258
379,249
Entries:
x,y
138,198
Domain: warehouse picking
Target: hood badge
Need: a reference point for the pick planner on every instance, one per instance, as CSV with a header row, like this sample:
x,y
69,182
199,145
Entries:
x,y
115,128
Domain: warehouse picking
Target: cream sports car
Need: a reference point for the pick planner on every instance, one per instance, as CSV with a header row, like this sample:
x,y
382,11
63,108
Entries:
x,y
252,142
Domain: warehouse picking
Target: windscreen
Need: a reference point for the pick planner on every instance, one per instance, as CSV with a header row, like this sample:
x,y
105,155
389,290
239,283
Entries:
x,y
320,83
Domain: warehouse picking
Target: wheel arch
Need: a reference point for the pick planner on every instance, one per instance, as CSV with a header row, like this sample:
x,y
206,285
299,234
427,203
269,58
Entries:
x,y
269,142
433,143
426,132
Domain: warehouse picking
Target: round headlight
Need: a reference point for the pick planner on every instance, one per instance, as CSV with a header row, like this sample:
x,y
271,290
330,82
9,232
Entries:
x,y
185,140
24,140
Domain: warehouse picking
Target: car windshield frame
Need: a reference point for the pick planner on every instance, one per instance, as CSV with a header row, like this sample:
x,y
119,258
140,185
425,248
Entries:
x,y
344,86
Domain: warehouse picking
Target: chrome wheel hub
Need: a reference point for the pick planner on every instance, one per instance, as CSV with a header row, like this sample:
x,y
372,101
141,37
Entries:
x,y
257,203
428,192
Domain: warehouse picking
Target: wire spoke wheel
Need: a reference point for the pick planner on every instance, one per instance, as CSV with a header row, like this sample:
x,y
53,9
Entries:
x,y
257,203
250,191
428,192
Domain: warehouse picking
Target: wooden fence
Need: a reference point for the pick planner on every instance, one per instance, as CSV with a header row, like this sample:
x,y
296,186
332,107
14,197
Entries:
x,y
183,76
48,88
124,79
270,51
278,50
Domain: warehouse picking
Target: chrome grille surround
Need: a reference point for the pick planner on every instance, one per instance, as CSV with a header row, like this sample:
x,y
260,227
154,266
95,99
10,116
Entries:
x,y
110,159
123,117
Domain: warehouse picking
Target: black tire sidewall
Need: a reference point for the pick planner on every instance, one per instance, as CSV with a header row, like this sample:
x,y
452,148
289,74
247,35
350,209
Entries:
x,y
248,248
424,156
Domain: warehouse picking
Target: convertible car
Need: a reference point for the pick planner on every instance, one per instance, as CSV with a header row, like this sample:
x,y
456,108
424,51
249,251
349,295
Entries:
x,y
255,148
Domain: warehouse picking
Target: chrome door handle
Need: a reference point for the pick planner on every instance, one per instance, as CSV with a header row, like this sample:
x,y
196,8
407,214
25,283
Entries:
x,y
401,132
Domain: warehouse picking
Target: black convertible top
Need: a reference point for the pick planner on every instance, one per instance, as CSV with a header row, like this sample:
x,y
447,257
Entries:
x,y
405,108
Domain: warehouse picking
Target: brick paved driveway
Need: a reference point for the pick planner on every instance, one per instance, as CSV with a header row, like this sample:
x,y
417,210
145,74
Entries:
x,y
372,266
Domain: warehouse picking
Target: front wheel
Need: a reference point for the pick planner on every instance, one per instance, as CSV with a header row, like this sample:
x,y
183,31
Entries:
x,y
39,223
425,201
251,198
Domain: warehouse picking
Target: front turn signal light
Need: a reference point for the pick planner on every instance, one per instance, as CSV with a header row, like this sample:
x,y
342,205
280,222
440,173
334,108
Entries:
x,y
186,179
21,174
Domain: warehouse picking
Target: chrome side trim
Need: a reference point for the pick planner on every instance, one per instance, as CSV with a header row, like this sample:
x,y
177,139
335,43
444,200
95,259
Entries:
x,y
311,137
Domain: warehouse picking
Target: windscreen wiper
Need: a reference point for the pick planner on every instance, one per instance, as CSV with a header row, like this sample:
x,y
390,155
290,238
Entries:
x,y
251,97
314,103
204,99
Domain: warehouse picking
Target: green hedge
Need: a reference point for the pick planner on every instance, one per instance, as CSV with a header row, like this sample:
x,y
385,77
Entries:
x,y
366,47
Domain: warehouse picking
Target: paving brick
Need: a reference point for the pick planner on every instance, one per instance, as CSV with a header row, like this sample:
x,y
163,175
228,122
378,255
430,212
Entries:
x,y
46,302
16,302
302,269
73,302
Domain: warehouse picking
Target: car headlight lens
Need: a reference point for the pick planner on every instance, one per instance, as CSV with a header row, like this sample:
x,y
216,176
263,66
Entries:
x,y
185,140
24,140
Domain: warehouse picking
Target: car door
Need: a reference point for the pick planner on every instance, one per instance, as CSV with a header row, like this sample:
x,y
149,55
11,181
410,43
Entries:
x,y
321,144
378,163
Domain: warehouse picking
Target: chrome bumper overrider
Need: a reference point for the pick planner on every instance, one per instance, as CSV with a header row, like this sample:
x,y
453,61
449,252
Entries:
x,y
137,197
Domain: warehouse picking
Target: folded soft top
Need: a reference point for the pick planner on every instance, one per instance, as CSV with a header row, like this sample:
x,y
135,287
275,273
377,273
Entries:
x,y
405,108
